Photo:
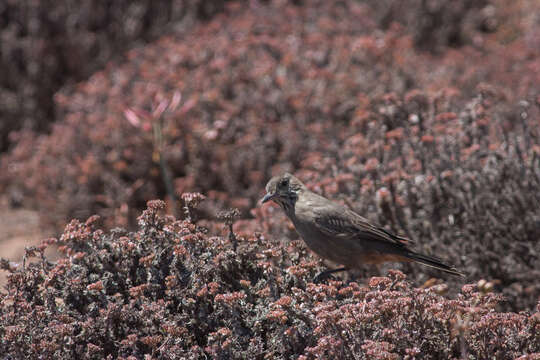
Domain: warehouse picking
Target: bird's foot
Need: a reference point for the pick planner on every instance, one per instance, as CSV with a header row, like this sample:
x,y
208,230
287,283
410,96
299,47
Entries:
x,y
323,275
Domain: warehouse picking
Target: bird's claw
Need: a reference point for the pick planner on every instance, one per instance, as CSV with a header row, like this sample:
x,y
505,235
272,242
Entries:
x,y
323,275
320,277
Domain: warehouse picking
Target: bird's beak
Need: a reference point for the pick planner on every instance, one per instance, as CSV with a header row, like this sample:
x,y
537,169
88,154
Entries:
x,y
268,197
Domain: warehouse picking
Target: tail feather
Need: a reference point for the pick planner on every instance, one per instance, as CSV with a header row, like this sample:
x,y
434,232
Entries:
x,y
434,263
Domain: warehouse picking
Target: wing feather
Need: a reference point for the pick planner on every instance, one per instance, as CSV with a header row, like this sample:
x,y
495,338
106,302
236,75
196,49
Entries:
x,y
348,224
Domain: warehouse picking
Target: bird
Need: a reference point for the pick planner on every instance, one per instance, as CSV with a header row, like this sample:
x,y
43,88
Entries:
x,y
336,233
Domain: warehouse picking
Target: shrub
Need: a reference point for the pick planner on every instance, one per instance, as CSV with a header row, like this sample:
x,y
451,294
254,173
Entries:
x,y
439,148
456,184
46,45
276,102
173,290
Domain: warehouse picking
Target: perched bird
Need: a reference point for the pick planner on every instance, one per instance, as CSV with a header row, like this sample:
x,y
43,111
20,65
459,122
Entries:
x,y
337,233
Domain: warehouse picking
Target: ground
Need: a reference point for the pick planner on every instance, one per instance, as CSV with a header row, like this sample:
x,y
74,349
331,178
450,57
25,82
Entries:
x,y
19,228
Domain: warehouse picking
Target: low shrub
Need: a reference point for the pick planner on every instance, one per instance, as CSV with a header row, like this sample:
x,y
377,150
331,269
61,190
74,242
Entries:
x,y
442,149
172,290
47,45
460,186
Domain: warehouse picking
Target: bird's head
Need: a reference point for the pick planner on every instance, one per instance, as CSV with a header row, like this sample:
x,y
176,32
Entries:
x,y
283,190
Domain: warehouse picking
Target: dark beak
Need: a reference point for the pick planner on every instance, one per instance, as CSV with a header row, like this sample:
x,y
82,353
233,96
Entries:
x,y
267,197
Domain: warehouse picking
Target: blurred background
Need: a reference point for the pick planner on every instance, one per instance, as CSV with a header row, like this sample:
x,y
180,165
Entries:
x,y
422,115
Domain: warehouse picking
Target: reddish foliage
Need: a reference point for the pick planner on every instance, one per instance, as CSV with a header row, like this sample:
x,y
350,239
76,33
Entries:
x,y
442,149
234,100
235,304
49,45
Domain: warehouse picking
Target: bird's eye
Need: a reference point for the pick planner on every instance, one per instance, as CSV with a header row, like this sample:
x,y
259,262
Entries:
x,y
284,182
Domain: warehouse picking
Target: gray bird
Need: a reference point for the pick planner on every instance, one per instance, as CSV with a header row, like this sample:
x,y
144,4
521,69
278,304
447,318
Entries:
x,y
337,233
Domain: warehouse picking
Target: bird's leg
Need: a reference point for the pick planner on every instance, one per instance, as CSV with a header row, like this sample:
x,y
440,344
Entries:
x,y
324,274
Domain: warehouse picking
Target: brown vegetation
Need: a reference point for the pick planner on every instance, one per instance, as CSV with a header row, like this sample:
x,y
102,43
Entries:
x,y
172,291
49,44
430,130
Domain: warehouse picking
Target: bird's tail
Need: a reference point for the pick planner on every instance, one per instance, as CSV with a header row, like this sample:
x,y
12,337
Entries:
x,y
433,262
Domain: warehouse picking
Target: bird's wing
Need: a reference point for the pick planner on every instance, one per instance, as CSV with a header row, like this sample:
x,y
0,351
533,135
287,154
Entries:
x,y
345,223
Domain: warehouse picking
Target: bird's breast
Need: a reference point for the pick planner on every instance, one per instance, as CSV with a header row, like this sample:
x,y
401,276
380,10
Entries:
x,y
317,241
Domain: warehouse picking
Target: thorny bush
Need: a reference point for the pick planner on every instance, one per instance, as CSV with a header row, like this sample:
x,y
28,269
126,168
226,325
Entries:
x,y
173,290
